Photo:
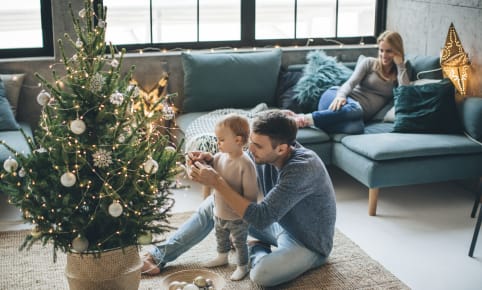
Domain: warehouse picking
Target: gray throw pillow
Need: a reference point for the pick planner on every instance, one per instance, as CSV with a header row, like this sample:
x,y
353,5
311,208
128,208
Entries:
x,y
7,119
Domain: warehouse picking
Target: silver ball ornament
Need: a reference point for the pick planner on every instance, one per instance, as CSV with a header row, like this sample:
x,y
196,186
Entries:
x,y
80,244
151,166
77,126
115,209
10,165
68,179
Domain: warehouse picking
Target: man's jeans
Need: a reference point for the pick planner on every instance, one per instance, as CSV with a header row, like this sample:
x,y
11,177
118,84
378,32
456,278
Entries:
x,y
348,119
289,260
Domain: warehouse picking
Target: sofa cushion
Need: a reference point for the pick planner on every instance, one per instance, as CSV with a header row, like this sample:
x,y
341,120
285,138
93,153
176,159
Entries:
x,y
472,117
321,73
285,92
424,67
386,146
428,108
7,118
13,85
312,136
229,80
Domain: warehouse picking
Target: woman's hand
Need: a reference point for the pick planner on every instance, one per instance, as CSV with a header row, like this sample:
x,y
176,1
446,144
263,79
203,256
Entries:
x,y
397,59
337,103
204,174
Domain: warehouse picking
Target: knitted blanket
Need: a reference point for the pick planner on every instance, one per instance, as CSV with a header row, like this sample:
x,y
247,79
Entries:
x,y
199,135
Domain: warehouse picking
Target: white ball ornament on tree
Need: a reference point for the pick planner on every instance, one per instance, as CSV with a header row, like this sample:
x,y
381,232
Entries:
x,y
80,244
115,209
170,149
36,233
43,98
151,166
10,165
68,179
145,238
77,126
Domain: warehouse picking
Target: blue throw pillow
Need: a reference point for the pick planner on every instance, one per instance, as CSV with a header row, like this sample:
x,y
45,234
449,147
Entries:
x,y
7,119
428,108
424,67
321,73
229,80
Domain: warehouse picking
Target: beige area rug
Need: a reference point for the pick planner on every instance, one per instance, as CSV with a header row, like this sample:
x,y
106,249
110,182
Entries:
x,y
348,267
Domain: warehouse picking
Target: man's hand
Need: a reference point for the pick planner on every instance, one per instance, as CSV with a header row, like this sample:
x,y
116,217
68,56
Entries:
x,y
198,156
204,174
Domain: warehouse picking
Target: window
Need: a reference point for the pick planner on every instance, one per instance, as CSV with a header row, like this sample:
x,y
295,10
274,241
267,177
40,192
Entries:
x,y
26,28
167,24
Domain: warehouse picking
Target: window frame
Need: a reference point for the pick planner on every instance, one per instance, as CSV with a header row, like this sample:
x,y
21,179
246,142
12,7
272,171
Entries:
x,y
248,35
47,36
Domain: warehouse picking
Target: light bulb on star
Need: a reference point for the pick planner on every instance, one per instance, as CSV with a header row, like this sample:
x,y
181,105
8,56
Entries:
x,y
80,244
68,179
115,209
151,166
77,126
10,165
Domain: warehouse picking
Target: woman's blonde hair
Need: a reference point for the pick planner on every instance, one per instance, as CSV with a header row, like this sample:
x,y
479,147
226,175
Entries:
x,y
394,39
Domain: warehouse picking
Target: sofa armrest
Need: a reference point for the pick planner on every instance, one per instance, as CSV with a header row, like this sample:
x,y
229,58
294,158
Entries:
x,y
472,117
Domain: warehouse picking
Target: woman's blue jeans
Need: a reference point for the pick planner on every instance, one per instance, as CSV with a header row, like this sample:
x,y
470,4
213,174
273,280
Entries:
x,y
289,260
348,119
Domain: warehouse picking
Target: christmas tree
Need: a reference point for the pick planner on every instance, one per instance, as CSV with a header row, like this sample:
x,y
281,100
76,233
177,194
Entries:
x,y
97,177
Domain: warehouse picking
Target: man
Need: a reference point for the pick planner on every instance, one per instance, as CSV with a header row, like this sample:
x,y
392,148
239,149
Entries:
x,y
297,214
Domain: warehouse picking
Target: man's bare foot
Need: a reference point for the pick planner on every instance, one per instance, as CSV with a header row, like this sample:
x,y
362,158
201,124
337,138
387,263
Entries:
x,y
149,267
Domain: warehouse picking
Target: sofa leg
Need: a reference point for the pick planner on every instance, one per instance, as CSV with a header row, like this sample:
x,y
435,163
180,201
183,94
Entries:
x,y
372,201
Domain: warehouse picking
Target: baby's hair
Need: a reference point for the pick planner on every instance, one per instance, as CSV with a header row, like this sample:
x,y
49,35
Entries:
x,y
238,124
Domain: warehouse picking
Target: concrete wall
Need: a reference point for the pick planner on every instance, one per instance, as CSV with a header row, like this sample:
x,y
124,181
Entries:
x,y
424,25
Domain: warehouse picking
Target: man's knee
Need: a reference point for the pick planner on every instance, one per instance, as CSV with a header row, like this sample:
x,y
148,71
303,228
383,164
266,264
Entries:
x,y
263,276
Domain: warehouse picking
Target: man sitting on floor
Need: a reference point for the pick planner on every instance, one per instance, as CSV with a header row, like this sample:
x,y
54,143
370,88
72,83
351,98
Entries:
x,y
297,214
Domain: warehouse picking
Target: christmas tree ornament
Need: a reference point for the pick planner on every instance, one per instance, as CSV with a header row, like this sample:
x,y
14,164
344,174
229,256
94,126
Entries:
x,y
116,98
79,43
77,126
22,172
80,244
36,233
102,158
170,149
10,165
43,98
145,238
151,166
115,209
68,179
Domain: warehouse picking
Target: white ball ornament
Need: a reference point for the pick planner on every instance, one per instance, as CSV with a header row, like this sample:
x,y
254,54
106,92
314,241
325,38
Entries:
x,y
145,238
68,179
77,126
10,165
115,209
151,166
190,287
22,172
80,244
35,233
43,98
170,149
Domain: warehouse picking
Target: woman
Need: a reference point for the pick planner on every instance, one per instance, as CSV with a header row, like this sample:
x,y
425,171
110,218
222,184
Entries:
x,y
344,109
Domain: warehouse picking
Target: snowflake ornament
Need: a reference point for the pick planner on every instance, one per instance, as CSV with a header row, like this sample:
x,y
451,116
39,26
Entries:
x,y
116,98
96,83
102,158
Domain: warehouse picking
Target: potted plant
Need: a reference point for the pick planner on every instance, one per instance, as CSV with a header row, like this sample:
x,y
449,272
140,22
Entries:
x,y
97,181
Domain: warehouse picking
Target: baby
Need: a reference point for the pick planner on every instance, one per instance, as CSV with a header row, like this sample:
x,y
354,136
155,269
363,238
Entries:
x,y
239,171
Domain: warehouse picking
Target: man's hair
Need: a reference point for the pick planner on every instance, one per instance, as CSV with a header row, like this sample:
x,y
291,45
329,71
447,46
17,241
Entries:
x,y
280,128
238,124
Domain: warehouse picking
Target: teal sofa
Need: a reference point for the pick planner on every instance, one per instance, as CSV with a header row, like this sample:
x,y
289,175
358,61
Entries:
x,y
378,158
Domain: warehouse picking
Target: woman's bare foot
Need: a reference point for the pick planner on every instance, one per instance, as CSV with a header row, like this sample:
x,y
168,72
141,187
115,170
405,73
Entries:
x,y
149,267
